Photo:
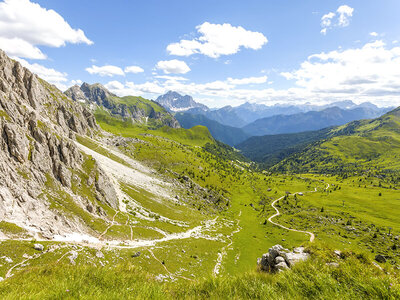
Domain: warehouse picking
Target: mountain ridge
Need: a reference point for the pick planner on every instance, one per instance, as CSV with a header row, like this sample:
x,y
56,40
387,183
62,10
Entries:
x,y
137,109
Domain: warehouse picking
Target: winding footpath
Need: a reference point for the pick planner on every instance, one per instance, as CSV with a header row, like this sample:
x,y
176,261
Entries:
x,y
312,235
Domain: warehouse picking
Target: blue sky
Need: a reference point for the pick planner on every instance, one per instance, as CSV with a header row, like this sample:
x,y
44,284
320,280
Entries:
x,y
220,52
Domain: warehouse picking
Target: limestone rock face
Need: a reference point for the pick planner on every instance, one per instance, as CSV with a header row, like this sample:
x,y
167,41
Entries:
x,y
38,157
279,259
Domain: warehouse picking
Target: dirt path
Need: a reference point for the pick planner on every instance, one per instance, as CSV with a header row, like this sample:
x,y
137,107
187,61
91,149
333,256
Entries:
x,y
166,269
312,235
221,255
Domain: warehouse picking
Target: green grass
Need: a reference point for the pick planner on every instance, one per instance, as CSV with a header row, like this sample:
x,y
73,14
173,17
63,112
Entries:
x,y
12,229
355,278
196,136
351,215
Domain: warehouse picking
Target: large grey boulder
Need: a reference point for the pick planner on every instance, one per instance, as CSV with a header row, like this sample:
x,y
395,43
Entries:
x,y
279,258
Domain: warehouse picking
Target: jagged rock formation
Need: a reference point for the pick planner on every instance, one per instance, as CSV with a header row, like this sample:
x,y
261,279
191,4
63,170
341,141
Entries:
x,y
279,259
137,109
39,162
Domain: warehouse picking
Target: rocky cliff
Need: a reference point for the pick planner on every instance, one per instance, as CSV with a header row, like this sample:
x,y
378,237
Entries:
x,y
137,109
43,175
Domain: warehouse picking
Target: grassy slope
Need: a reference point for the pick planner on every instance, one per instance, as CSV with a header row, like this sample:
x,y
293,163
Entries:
x,y
134,104
177,153
232,180
226,134
355,278
368,145
270,149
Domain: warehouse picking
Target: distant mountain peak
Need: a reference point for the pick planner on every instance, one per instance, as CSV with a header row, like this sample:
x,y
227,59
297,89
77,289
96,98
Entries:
x,y
175,102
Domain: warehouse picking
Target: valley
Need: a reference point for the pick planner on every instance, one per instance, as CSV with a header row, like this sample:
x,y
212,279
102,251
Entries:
x,y
102,199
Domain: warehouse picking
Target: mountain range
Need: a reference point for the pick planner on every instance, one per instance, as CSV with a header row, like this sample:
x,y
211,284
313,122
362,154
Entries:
x,y
232,125
100,197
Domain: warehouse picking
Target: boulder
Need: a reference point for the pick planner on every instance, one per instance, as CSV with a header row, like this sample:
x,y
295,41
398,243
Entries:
x,y
279,259
38,247
274,251
292,258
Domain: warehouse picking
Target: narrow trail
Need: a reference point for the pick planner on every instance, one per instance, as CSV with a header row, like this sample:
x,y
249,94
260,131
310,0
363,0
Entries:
x,y
312,235
34,256
166,269
223,252
108,227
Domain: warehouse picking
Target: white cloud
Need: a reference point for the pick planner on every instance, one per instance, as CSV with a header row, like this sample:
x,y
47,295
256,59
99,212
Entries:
x,y
76,82
130,88
366,73
24,25
173,66
218,39
373,34
345,13
53,76
133,69
17,47
248,80
171,78
107,70
339,19
114,85
326,19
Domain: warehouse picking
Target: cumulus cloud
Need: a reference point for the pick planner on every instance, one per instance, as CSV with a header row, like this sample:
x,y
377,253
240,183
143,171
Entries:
x,y
374,34
366,73
248,80
51,75
339,19
173,66
76,81
345,13
326,19
218,39
25,25
130,88
133,69
107,70
352,73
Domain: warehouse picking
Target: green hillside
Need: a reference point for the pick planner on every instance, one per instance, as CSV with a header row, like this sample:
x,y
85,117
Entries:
x,y
367,145
271,149
226,134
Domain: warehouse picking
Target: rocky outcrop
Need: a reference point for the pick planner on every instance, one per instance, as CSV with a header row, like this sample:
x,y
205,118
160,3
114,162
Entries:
x,y
279,259
137,109
38,158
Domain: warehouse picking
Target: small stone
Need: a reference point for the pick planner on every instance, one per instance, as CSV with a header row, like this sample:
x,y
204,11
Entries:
x,y
332,264
7,259
380,258
99,254
137,254
378,266
338,253
38,247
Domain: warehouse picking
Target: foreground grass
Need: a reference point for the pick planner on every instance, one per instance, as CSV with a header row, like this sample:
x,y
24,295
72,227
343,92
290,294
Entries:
x,y
355,278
